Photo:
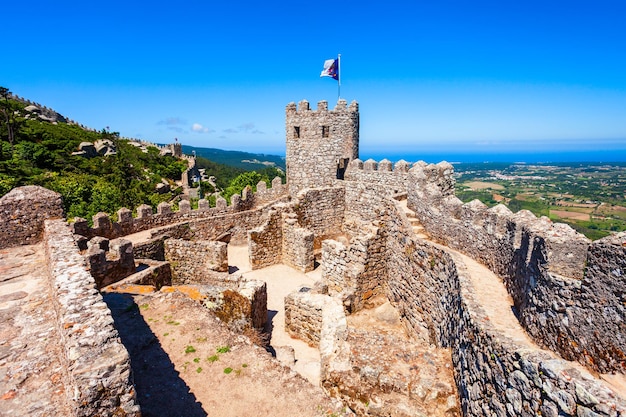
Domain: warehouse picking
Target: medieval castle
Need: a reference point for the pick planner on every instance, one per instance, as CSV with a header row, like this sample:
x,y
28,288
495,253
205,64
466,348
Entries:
x,y
377,231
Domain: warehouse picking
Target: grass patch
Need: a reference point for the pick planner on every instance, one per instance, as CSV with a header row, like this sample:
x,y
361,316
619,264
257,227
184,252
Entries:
x,y
223,349
190,349
228,370
213,358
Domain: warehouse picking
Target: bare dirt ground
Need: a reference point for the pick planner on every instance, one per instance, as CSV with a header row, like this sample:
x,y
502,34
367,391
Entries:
x,y
563,214
482,185
186,363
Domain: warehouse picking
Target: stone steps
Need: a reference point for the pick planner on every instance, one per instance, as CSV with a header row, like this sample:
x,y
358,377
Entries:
x,y
416,225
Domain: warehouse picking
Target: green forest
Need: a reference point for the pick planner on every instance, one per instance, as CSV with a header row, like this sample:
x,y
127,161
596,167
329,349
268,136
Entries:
x,y
35,152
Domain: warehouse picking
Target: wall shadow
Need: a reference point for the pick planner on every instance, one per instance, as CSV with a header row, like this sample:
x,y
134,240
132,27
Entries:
x,y
269,328
160,390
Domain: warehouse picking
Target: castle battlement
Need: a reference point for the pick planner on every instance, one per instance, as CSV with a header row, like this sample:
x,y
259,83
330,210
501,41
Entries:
x,y
384,165
391,231
146,218
304,107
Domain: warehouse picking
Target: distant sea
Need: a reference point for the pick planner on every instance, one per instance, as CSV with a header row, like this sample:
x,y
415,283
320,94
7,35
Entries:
x,y
607,156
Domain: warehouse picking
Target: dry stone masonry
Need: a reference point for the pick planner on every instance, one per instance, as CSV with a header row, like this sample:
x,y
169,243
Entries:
x,y
359,220
23,211
320,143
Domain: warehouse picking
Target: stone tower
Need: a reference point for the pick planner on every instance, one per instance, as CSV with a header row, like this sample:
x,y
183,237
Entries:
x,y
320,143
177,149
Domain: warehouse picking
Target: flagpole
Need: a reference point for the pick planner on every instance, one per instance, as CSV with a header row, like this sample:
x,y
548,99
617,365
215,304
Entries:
x,y
339,76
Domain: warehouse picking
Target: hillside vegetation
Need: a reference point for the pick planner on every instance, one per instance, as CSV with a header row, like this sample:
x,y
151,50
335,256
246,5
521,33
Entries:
x,y
36,152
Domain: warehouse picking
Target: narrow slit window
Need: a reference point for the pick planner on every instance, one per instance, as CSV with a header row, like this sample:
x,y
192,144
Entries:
x,y
325,131
296,132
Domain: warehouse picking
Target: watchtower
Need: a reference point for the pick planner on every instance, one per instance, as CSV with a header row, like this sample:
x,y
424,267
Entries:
x,y
320,143
177,149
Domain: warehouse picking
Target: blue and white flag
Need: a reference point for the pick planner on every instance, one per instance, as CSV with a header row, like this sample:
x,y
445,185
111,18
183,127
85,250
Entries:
x,y
331,69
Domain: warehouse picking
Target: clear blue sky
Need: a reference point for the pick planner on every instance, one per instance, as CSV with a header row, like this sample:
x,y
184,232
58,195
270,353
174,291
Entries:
x,y
430,76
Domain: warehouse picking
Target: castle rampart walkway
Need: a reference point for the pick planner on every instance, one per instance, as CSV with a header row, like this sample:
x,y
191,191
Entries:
x,y
32,374
493,297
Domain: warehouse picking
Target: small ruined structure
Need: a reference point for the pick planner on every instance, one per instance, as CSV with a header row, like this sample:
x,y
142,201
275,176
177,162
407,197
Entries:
x,y
389,238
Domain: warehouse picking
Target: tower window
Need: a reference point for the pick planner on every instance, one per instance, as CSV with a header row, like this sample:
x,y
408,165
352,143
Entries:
x,y
296,132
325,131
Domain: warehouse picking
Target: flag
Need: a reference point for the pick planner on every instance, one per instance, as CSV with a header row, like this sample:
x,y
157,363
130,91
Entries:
x,y
331,69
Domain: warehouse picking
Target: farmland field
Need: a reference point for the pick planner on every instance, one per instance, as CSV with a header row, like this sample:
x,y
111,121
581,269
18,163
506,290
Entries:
x,y
589,197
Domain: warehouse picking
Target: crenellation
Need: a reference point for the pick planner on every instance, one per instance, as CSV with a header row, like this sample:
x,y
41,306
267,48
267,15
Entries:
x,y
370,165
356,164
385,166
164,209
380,231
235,201
184,207
203,205
124,216
144,211
303,106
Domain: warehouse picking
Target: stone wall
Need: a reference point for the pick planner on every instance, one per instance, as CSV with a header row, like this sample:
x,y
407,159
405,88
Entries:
x,y
530,255
97,362
583,320
156,274
242,306
354,272
145,218
495,375
150,249
198,262
109,261
321,210
335,265
320,143
297,245
236,225
23,212
303,314
265,242
369,183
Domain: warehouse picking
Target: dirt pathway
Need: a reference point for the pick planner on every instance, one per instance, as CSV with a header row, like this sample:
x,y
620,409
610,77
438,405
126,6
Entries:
x,y
281,280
